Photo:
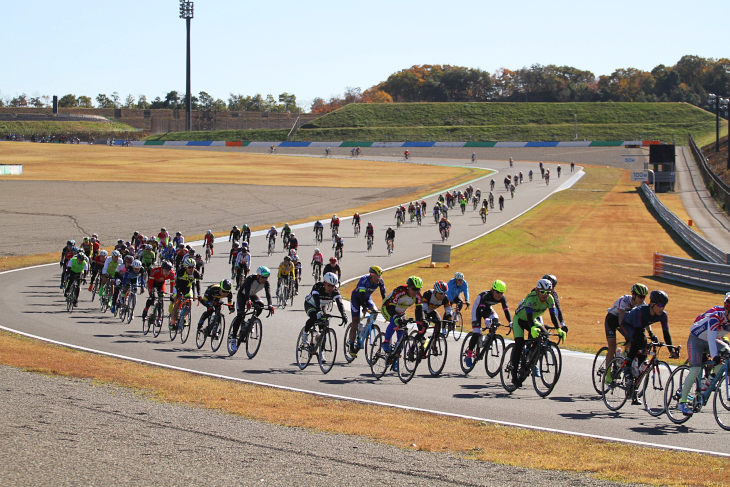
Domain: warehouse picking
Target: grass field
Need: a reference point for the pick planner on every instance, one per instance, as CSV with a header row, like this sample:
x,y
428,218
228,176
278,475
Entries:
x,y
65,128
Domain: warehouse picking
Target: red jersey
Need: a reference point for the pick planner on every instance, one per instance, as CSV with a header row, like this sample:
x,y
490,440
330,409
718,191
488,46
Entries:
x,y
156,276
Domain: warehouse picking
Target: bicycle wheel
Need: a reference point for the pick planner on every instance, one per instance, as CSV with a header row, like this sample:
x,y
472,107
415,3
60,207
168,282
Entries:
x,y
327,350
378,357
493,356
346,342
185,325
156,319
721,403
673,393
505,369
652,387
558,356
458,326
599,368
304,354
131,303
253,341
217,333
147,322
437,352
95,289
70,301
291,294
548,367
104,301
370,341
618,389
464,351
409,358
173,329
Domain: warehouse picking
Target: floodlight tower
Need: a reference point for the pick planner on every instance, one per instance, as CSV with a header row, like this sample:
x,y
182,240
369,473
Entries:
x,y
186,12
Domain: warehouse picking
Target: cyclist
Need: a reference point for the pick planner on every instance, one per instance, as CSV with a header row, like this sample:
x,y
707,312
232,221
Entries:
x,y
615,316
148,257
457,286
406,154
96,245
705,335
87,247
335,224
233,255
272,234
180,253
67,253
529,174
212,297
121,270
361,299
97,264
501,202
370,231
432,300
338,244
554,294
510,162
436,210
444,226
200,267
559,170
208,241
482,310
293,242
395,305
356,221
423,207
179,239
327,152
168,252
641,318
156,282
462,203
547,176
163,237
184,288
521,177
297,272
526,319
242,263
235,234
246,233
286,234
390,238
110,268
318,229
75,268
249,292
322,294
473,156
317,259
400,214
572,166
131,280
286,272
333,267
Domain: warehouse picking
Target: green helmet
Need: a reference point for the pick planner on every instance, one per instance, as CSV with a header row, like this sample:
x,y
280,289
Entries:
x,y
263,271
639,289
226,285
415,281
499,286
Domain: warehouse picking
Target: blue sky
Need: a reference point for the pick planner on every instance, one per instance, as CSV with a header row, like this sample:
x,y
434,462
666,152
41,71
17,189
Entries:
x,y
319,48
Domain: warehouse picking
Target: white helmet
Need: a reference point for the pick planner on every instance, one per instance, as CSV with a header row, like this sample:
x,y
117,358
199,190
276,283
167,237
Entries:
x,y
208,232
273,227
103,253
459,276
316,251
331,278
136,264
544,284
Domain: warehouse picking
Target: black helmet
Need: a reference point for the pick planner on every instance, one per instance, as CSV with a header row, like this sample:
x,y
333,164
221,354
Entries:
x,y
167,265
659,297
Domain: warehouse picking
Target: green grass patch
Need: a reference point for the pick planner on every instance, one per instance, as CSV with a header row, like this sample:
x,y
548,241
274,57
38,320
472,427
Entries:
x,y
230,135
97,129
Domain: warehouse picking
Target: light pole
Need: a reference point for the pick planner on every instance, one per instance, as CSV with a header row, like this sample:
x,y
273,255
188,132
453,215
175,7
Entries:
x,y
186,12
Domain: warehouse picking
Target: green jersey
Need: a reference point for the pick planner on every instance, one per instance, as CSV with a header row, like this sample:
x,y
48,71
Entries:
x,y
538,307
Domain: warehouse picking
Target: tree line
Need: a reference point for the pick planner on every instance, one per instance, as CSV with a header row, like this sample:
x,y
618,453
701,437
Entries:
x,y
690,80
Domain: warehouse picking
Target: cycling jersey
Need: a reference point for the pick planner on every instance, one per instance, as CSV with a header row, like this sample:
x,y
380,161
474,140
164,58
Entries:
x,y
148,257
710,326
454,290
77,267
369,231
163,238
398,302
157,279
318,258
532,307
271,234
361,295
249,289
285,269
178,240
110,266
482,308
243,259
622,303
185,280
390,234
214,293
209,240
132,278
319,298
335,269
285,231
430,303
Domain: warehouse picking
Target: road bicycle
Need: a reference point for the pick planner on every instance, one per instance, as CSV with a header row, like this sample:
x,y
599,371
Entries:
x,y
215,328
338,253
208,254
317,271
105,298
183,321
444,235
272,150
538,360
369,241
418,219
72,295
699,396
402,357
95,285
155,319
272,243
321,341
599,365
250,332
456,325
483,214
318,234
335,230
389,244
433,350
357,229
127,303
367,330
463,208
398,221
285,240
489,347
475,203
491,185
647,385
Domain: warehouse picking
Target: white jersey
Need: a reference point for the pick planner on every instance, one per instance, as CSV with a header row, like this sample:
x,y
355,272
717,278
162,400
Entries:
x,y
243,257
624,303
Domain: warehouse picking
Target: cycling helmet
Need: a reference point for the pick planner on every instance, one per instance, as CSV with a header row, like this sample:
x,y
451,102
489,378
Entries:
x,y
443,218
103,253
188,262
459,276
178,233
499,286
198,256
226,285
291,235
167,265
273,227
337,235
136,233
136,264
94,236
86,239
370,224
244,245
390,228
235,245
80,253
286,225
440,287
245,226
552,279
331,278
544,285
148,247
169,244
128,244
295,258
376,270
356,214
335,216
333,260
163,229
128,258
116,253
316,251
235,227
208,232
263,271
659,297
287,258
639,289
119,241
415,281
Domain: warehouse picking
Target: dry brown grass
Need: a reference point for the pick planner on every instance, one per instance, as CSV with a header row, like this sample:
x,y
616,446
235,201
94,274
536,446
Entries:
x,y
673,202
597,238
54,162
404,429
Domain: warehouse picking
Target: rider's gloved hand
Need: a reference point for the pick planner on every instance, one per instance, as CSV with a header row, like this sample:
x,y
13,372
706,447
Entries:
x,y
344,319
562,334
535,331
654,338
495,321
564,328
319,315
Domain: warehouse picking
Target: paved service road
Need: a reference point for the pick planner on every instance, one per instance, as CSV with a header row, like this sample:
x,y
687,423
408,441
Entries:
x,y
33,304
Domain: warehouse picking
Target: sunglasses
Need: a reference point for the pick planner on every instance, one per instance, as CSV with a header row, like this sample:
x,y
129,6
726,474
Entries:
x,y
641,296
659,305
544,293
413,288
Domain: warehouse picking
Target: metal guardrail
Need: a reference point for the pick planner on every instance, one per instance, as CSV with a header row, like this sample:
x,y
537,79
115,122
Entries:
x,y
694,272
706,249
714,184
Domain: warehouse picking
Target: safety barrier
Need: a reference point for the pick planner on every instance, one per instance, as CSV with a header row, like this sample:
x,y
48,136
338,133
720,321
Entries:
x,y
697,273
706,249
497,145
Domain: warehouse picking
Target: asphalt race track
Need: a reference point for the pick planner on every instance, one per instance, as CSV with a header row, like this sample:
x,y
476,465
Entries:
x,y
33,304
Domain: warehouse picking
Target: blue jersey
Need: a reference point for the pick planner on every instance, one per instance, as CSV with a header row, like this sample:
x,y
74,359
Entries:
x,y
364,289
131,277
640,318
453,290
